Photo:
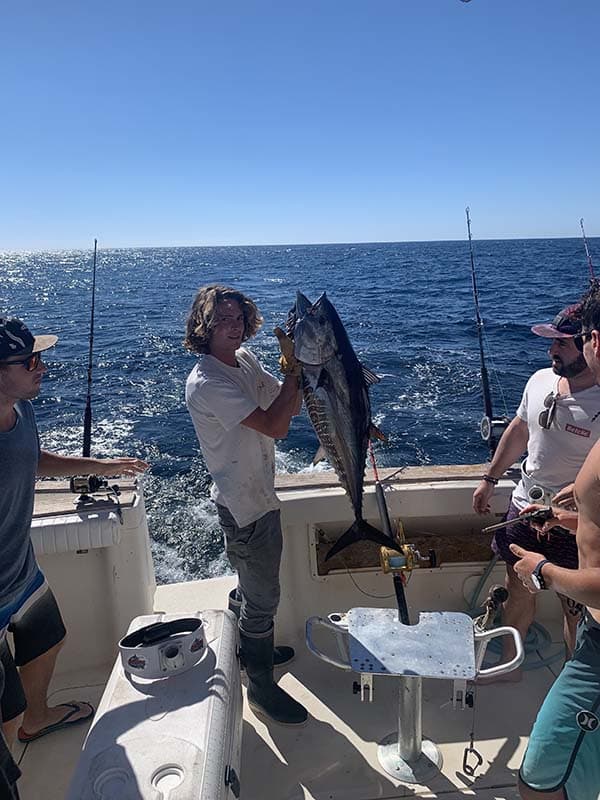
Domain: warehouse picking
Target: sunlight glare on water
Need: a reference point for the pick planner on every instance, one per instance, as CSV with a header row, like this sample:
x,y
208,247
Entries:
x,y
408,310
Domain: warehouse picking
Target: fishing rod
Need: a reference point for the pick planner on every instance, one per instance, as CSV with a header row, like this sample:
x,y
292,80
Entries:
x,y
491,429
399,557
384,515
87,416
587,251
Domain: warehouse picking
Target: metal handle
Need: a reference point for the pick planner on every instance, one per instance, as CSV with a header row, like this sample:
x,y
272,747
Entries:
x,y
337,629
482,639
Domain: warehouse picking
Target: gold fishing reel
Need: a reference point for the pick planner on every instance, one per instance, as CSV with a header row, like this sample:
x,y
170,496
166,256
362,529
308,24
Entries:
x,y
405,557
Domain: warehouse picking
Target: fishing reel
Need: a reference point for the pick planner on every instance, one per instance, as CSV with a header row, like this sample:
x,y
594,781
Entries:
x,y
405,557
87,485
492,428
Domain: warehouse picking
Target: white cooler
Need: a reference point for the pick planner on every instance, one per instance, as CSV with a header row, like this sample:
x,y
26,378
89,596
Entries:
x,y
174,738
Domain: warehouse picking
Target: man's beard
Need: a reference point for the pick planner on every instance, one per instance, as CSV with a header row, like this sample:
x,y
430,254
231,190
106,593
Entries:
x,y
570,370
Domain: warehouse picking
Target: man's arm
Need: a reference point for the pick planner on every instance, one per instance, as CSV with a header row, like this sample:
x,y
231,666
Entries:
x,y
51,465
275,421
511,447
582,585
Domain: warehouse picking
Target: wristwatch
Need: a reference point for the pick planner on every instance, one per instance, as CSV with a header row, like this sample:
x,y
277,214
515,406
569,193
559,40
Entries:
x,y
536,576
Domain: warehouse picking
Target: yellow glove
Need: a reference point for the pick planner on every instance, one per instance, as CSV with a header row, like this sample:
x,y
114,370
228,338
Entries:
x,y
288,363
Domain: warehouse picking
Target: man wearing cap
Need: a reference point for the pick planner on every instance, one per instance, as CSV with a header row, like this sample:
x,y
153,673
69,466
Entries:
x,y
557,423
562,759
28,608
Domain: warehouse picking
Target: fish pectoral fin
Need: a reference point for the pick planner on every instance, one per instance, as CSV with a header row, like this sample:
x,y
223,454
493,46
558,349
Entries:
x,y
320,455
375,433
323,381
369,376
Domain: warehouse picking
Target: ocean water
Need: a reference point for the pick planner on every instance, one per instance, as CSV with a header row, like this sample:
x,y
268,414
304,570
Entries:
x,y
407,307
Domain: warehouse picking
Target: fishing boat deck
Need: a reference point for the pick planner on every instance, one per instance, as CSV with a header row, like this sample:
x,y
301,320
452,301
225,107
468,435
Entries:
x,y
335,755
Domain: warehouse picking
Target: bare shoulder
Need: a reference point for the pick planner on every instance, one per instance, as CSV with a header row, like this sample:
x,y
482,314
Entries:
x,y
587,497
587,483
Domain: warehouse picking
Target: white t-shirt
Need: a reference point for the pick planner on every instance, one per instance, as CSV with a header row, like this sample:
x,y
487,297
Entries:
x,y
240,460
555,455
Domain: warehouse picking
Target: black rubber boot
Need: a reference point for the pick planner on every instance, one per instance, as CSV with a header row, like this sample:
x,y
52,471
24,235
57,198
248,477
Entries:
x,y
281,655
265,697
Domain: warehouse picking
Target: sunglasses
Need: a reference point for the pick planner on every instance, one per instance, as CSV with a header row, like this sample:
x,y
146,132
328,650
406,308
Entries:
x,y
31,363
546,417
580,340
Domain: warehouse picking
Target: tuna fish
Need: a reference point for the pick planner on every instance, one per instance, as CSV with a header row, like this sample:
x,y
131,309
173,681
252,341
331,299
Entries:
x,y
335,387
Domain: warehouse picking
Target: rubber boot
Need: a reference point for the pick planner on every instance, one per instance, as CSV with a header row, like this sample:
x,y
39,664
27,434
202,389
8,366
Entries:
x,y
265,697
281,655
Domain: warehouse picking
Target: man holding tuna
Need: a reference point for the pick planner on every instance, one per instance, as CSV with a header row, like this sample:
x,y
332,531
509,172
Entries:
x,y
238,409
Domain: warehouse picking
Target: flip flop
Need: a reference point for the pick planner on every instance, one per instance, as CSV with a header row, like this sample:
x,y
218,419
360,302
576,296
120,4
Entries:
x,y
65,722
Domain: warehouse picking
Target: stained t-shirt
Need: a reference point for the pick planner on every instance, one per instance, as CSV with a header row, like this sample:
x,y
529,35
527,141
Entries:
x,y
240,460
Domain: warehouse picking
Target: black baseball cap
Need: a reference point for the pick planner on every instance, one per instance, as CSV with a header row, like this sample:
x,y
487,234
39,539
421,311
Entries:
x,y
17,340
565,325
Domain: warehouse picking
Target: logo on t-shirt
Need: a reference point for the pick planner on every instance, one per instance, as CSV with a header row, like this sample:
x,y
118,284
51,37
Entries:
x,y
577,431
587,721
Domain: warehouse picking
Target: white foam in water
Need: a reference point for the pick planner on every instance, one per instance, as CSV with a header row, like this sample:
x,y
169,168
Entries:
x,y
110,439
428,406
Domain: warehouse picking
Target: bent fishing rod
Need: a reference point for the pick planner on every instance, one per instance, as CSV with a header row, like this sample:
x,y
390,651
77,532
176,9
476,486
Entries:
x,y
587,252
491,429
87,416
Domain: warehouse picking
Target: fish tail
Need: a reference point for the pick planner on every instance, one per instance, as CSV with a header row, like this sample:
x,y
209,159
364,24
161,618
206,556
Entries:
x,y
359,530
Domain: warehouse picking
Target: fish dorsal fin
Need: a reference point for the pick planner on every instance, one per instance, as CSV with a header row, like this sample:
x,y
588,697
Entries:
x,y
369,376
375,433
320,455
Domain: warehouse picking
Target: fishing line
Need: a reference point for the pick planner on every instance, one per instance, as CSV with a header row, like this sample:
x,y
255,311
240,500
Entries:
x,y
87,416
587,252
495,372
363,591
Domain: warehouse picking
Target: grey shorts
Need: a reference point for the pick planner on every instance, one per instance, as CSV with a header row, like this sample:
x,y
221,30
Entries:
x,y
36,626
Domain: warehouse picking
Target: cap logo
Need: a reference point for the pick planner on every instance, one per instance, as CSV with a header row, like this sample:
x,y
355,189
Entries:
x,y
587,721
20,343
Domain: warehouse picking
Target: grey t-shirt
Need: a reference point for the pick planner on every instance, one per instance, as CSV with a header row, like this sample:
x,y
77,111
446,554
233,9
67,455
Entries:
x,y
19,455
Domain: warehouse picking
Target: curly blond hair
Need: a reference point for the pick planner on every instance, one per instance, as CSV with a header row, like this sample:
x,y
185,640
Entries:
x,y
201,319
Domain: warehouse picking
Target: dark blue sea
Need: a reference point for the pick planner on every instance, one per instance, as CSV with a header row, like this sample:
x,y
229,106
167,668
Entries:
x,y
408,309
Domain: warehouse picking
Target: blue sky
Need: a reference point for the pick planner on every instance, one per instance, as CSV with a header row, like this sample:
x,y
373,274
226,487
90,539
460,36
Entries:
x,y
192,123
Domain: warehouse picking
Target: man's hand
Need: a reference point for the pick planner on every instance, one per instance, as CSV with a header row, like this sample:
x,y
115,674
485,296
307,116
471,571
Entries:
x,y
120,466
565,498
560,517
528,561
482,496
288,363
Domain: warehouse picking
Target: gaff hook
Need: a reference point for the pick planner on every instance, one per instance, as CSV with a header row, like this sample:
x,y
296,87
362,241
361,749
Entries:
x,y
469,769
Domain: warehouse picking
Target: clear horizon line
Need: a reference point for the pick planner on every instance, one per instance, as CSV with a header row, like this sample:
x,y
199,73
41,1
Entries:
x,y
11,251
